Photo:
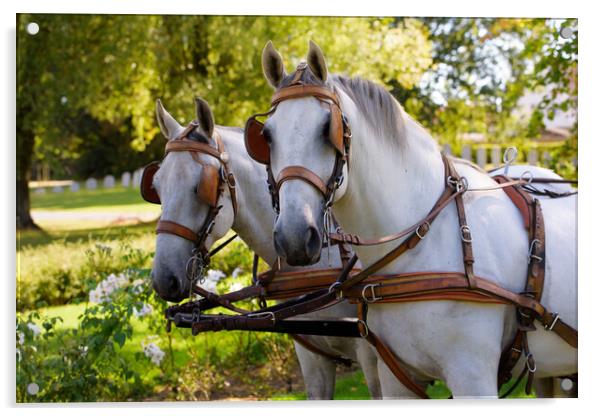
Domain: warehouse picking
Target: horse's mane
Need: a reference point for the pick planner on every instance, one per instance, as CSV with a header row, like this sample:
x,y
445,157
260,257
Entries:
x,y
379,108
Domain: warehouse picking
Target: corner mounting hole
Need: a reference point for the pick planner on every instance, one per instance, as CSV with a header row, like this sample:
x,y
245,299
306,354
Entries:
x,y
33,28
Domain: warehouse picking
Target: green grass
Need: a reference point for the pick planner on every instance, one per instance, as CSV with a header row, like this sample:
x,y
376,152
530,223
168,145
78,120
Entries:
x,y
37,239
116,199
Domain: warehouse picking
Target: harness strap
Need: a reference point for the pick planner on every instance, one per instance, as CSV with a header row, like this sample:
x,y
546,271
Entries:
x,y
299,172
302,90
170,227
465,234
308,345
386,354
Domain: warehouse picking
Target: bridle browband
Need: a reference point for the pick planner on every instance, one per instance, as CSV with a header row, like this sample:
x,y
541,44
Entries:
x,y
225,178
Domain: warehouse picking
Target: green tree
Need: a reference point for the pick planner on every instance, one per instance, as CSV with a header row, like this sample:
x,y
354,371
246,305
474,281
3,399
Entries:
x,y
78,62
82,72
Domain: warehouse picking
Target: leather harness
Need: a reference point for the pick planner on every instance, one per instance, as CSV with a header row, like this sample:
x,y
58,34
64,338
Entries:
x,y
365,286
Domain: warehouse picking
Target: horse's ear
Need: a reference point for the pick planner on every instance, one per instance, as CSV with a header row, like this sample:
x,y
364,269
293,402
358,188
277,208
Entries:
x,y
169,126
204,116
273,68
316,61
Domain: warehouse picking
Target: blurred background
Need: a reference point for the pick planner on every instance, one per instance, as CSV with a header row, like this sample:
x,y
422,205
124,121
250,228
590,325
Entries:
x,y
86,90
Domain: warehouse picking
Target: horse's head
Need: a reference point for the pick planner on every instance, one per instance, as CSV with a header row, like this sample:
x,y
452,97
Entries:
x,y
191,185
303,144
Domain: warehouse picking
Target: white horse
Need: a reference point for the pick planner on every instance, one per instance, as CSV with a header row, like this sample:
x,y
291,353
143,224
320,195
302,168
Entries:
x,y
175,182
394,177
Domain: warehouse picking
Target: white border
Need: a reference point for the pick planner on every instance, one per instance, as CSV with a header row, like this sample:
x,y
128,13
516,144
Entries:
x,y
589,153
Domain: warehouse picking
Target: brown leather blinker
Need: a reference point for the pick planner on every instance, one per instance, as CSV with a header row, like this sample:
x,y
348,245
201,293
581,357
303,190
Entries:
x,y
148,192
208,187
255,142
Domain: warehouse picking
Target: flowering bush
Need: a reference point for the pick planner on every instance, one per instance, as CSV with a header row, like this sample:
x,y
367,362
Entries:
x,y
83,364
119,348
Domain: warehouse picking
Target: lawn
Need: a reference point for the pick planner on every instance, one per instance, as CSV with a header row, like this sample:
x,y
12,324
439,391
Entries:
x,y
55,267
88,209
117,199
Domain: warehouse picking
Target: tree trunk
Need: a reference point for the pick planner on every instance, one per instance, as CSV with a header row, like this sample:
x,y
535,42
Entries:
x,y
25,143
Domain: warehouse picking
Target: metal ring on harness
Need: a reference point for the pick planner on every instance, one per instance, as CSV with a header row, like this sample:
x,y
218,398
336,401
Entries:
x,y
260,315
428,227
363,334
532,249
374,298
333,287
465,234
534,369
551,326
528,174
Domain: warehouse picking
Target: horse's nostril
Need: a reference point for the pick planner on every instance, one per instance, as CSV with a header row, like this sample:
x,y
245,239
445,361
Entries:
x,y
313,243
174,285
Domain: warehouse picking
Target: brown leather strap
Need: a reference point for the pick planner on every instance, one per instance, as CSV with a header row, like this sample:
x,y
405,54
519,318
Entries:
x,y
170,227
186,145
228,179
438,285
299,172
420,228
298,91
465,234
387,355
310,346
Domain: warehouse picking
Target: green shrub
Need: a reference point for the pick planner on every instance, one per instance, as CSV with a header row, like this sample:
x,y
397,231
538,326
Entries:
x,y
60,272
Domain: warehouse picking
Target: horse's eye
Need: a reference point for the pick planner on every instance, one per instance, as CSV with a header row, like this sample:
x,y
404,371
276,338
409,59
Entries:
x,y
326,128
267,134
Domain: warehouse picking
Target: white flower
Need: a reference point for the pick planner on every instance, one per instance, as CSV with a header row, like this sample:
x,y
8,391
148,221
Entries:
x,y
145,310
236,272
138,286
215,275
103,291
34,328
153,352
211,279
236,286
21,336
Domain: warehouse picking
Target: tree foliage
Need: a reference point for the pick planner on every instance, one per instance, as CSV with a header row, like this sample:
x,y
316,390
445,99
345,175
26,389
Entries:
x,y
87,83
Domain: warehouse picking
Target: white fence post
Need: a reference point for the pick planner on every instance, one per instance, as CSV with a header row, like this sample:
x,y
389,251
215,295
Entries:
x,y
467,152
496,156
481,156
532,157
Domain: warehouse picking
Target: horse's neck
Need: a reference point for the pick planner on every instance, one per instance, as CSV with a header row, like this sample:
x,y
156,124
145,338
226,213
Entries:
x,y
254,220
393,181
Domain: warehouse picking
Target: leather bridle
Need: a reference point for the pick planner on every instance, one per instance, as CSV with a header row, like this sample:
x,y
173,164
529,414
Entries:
x,y
339,135
225,179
